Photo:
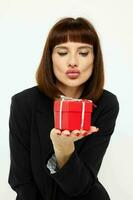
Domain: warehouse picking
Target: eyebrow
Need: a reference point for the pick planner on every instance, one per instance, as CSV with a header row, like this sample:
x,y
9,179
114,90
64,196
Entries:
x,y
81,47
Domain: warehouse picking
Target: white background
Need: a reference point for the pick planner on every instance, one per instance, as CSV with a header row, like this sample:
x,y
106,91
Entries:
x,y
24,25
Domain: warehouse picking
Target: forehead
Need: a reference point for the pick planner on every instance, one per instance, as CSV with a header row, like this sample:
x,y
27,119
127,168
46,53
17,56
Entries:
x,y
77,45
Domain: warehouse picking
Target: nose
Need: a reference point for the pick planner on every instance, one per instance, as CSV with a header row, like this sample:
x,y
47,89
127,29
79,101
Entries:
x,y
72,65
72,62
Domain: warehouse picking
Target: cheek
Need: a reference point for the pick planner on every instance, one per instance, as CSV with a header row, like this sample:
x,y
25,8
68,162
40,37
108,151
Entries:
x,y
87,71
87,63
58,71
88,67
57,64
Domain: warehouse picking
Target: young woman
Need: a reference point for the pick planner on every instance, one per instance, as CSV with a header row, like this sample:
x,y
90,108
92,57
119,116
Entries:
x,y
46,163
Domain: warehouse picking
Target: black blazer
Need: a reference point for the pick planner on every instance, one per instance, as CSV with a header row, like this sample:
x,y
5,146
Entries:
x,y
31,120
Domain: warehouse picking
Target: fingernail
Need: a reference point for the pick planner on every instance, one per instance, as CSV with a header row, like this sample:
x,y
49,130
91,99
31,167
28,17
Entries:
x,y
66,134
85,133
76,133
97,129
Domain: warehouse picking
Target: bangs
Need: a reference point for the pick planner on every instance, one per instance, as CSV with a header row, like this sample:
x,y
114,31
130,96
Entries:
x,y
72,33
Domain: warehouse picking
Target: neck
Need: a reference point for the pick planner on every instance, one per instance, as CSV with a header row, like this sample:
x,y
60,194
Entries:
x,y
73,92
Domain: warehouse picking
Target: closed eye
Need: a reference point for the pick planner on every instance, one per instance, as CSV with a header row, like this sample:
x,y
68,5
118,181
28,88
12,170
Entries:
x,y
62,54
83,54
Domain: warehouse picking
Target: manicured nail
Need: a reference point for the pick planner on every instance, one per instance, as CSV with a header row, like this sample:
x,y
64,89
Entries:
x,y
76,134
85,133
97,129
66,134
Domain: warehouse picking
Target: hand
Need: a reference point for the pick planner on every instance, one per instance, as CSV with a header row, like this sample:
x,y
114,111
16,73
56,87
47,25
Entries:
x,y
63,142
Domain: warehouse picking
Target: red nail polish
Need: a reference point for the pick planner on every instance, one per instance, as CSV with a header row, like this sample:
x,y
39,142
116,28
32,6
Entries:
x,y
85,133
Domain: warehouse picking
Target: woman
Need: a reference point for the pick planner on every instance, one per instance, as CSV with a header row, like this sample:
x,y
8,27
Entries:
x,y
46,163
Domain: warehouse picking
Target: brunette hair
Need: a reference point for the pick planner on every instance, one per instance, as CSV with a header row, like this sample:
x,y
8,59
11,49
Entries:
x,y
76,30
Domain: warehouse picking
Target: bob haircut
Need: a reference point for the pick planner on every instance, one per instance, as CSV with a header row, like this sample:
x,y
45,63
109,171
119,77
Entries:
x,y
75,30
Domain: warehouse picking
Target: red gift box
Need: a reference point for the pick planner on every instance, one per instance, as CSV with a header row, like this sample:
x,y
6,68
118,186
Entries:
x,y
72,114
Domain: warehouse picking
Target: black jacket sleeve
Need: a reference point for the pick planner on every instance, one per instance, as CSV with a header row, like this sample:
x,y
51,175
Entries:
x,y
20,176
79,174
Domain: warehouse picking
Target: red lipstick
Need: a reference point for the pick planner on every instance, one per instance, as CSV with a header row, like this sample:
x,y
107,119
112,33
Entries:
x,y
72,73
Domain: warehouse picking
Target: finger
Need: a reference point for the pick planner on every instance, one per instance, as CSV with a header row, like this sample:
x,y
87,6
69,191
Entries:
x,y
92,130
56,131
75,133
89,132
66,133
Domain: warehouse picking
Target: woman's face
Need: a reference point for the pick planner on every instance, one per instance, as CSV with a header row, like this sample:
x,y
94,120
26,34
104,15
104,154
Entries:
x,y
72,63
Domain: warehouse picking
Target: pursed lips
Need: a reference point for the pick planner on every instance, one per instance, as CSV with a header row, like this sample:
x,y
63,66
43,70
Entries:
x,y
72,73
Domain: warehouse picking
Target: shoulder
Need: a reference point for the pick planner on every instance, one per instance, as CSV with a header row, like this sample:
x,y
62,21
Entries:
x,y
108,102
28,97
106,112
29,92
108,99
